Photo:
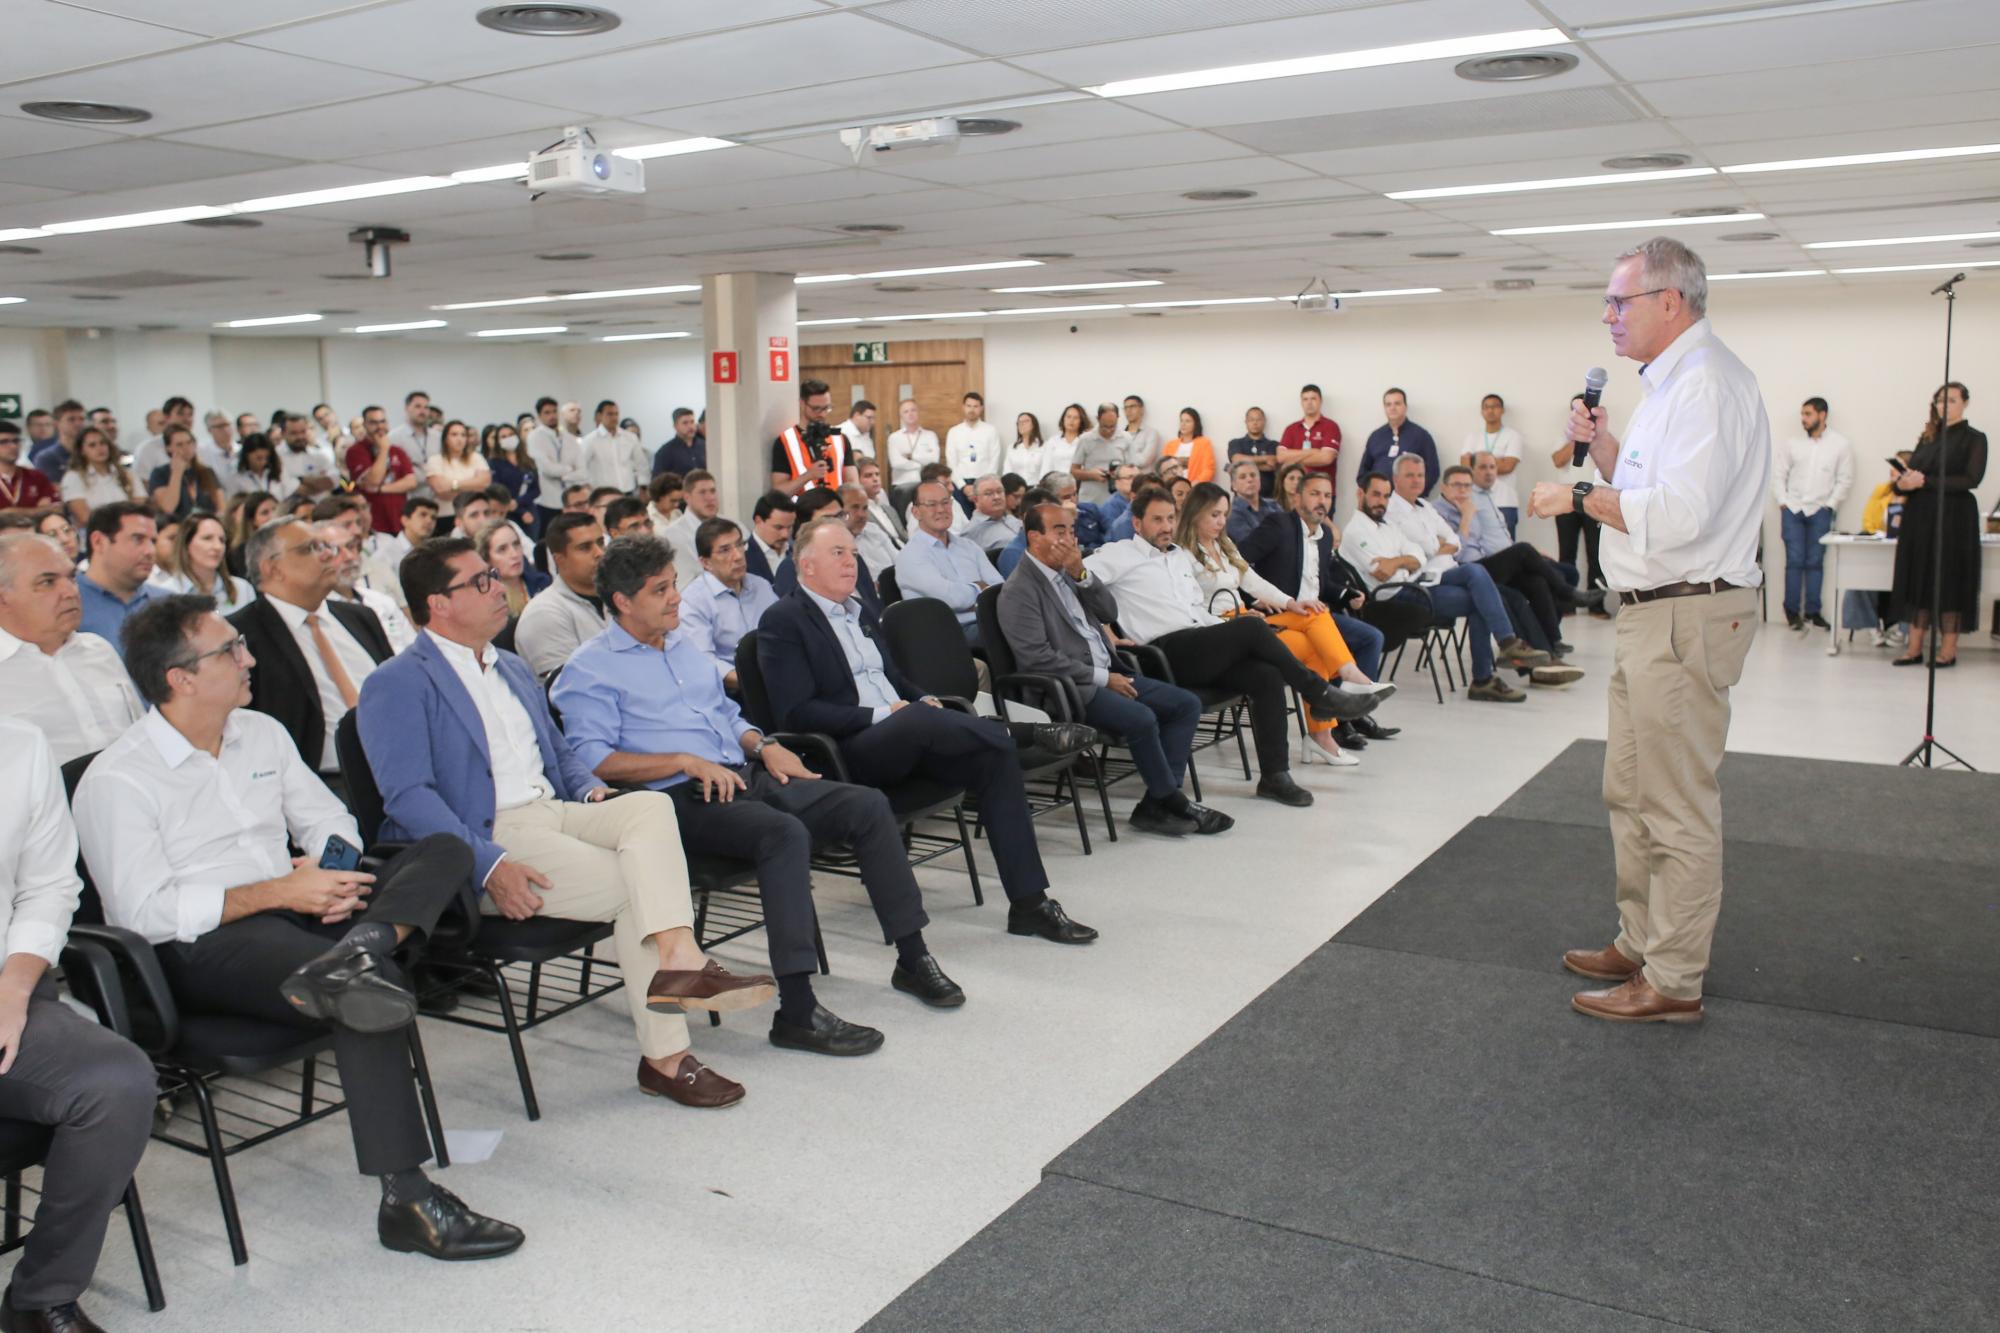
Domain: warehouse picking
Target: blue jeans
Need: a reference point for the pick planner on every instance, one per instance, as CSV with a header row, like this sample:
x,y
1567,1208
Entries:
x,y
1364,641
1468,591
1158,728
1805,558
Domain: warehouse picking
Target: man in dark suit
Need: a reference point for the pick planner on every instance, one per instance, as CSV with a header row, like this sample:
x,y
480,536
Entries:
x,y
810,506
312,653
771,524
827,669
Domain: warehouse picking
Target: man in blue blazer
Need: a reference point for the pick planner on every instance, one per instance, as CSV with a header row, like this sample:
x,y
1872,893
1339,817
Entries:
x,y
827,669
460,740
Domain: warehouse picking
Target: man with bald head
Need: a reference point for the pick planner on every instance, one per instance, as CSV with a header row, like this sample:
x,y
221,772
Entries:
x,y
69,685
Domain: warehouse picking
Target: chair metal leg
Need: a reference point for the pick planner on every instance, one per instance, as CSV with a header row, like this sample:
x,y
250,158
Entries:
x,y
589,956
528,1099
218,1162
971,868
534,989
1103,793
819,947
427,1094
142,1250
12,1232
308,1083
1242,750
1067,779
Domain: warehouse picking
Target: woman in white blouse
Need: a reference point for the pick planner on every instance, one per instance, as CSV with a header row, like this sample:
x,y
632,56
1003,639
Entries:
x,y
196,564
258,469
1024,456
100,479
456,470
1233,588
1061,451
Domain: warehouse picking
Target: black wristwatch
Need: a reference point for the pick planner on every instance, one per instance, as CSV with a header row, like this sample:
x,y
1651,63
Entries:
x,y
1581,492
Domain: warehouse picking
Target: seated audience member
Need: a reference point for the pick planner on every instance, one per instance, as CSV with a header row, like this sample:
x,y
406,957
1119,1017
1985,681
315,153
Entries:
x,y
1260,451
68,684
1302,621
564,614
247,513
310,652
1161,603
350,584
1123,477
385,550
627,517
193,853
1014,486
199,563
184,483
166,529
1290,477
663,500
787,579
826,669
576,499
701,501
54,524
644,705
461,742
771,524
1384,554
22,486
122,558
93,1088
1052,614
1090,523
882,515
256,468
99,476
500,546
936,564
961,505
375,573
727,601
992,526
1247,505
873,546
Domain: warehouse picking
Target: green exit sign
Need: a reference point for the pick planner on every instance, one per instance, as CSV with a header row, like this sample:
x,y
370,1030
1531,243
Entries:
x,y
10,405
871,353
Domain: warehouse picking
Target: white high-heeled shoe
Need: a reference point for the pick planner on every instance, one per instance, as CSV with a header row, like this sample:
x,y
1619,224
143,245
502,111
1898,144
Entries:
x,y
1332,752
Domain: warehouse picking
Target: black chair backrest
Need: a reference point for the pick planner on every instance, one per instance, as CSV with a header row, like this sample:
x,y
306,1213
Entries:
x,y
89,908
549,693
504,640
999,653
364,798
887,587
756,705
929,646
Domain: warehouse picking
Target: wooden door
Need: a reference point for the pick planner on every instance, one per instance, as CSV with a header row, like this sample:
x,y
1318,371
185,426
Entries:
x,y
935,372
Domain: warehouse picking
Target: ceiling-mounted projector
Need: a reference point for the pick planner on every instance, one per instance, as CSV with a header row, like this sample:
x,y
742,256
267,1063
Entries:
x,y
576,165
935,132
1317,298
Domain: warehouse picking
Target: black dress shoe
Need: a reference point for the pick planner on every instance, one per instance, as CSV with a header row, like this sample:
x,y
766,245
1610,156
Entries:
x,y
442,1227
1281,788
1333,705
1207,821
827,1034
65,1318
1349,737
1374,730
1149,816
1588,598
350,985
928,983
1047,919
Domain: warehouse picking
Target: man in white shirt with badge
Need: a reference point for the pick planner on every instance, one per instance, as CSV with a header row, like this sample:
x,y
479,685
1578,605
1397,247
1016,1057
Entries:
x,y
613,456
910,446
1681,515
417,437
1504,443
1815,471
972,448
70,686
557,456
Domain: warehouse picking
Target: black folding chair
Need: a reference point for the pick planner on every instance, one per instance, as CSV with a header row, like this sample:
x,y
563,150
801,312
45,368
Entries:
x,y
886,587
929,644
910,802
234,1069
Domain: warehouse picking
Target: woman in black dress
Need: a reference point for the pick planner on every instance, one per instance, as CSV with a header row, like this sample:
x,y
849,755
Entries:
x,y
1946,466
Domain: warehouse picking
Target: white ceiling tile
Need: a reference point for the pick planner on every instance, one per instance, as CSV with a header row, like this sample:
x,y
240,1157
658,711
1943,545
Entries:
x,y
1070,159
222,18
379,124
1806,39
1886,78
1473,156
131,162
1059,122
1026,25
21,135
49,38
904,96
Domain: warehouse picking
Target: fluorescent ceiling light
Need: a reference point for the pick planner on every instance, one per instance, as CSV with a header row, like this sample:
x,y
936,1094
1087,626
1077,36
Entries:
x,y
1625,226
811,323
13,300
947,314
1904,240
1054,309
671,148
1553,183
21,233
341,194
521,333
631,291
268,319
1218,300
1922,268
1864,159
813,279
1381,291
398,328
640,337
153,219
506,171
488,305
1080,286
1451,48
1781,273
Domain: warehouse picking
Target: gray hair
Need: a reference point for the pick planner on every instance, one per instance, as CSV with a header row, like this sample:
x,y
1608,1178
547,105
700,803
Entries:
x,y
262,544
803,539
1408,459
12,545
1665,262
1057,483
629,564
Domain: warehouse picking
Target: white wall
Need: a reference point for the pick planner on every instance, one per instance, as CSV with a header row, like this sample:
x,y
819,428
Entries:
x,y
648,380
263,374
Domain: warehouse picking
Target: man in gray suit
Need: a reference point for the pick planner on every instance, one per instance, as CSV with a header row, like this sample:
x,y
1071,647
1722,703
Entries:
x,y
1052,614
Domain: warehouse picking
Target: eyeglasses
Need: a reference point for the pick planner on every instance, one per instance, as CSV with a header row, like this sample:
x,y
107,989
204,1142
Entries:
x,y
316,547
235,647
818,408
929,504
1617,304
481,583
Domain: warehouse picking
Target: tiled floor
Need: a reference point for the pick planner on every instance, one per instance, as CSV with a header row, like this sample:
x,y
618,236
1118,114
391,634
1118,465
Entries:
x,y
836,1183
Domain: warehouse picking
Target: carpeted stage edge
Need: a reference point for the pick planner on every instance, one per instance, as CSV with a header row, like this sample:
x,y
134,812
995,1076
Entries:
x,y
1412,1131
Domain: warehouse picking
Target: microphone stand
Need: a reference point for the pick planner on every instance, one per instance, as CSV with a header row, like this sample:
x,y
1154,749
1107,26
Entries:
x,y
1930,747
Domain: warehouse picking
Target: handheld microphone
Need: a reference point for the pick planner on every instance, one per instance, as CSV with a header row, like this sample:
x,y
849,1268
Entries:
x,y
1594,380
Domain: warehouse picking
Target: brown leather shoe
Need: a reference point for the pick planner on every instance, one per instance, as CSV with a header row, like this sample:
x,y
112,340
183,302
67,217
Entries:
x,y
694,1084
714,988
1636,1002
1606,964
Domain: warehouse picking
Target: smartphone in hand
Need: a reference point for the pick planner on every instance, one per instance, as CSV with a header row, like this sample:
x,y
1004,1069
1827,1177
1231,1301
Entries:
x,y
340,854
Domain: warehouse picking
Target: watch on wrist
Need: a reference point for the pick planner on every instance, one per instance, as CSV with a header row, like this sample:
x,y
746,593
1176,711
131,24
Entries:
x,y
1581,492
757,750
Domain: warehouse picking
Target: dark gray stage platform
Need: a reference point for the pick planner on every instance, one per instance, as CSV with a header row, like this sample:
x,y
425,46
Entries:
x,y
1412,1131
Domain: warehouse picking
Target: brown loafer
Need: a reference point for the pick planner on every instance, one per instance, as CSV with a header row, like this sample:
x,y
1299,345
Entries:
x,y
714,988
1606,964
1636,1002
694,1084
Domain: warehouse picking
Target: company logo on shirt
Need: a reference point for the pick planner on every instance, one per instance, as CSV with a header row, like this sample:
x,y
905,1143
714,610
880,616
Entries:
x,y
267,773
1632,460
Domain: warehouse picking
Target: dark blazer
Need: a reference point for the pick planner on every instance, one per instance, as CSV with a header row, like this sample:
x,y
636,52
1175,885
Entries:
x,y
753,556
1275,548
805,669
282,684
787,579
1039,631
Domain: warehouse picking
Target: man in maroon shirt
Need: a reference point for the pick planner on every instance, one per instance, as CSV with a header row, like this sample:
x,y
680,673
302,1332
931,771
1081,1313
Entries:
x,y
381,472
21,487
1314,441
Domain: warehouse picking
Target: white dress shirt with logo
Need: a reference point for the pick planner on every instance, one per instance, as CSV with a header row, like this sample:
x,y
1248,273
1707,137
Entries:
x,y
1158,591
38,883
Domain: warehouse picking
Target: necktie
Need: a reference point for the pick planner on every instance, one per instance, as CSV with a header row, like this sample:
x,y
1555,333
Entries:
x,y
337,673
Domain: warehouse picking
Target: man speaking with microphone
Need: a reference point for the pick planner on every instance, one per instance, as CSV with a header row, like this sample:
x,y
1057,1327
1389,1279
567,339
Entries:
x,y
1681,519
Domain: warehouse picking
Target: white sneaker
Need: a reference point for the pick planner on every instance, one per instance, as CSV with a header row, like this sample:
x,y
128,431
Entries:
x,y
1879,637
1332,752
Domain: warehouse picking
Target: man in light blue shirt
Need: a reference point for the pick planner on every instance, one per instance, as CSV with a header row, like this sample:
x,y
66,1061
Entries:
x,y
121,560
937,564
992,527
727,600
643,705
1481,534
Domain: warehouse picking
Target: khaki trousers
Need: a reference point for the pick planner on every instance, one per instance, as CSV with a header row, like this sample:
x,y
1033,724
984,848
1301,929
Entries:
x,y
618,861
1676,659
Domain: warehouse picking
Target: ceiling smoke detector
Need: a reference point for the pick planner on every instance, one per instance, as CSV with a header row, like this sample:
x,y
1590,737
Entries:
x,y
1368,234
226,220
1647,162
1519,67
1749,236
548,20
88,113
871,228
1709,211
1217,196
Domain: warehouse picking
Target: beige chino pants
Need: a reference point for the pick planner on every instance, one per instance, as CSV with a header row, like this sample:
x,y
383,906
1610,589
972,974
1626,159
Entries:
x,y
1676,660
618,861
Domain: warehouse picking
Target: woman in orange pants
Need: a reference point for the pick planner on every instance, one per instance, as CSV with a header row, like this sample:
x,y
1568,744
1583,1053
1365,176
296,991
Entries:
x,y
1233,588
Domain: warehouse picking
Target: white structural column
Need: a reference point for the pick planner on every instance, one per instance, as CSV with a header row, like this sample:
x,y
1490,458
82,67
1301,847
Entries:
x,y
750,317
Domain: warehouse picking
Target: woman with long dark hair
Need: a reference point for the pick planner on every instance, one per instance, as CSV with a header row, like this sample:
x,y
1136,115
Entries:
x,y
1025,455
1061,451
1193,447
98,477
514,468
1949,461
456,472
258,468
